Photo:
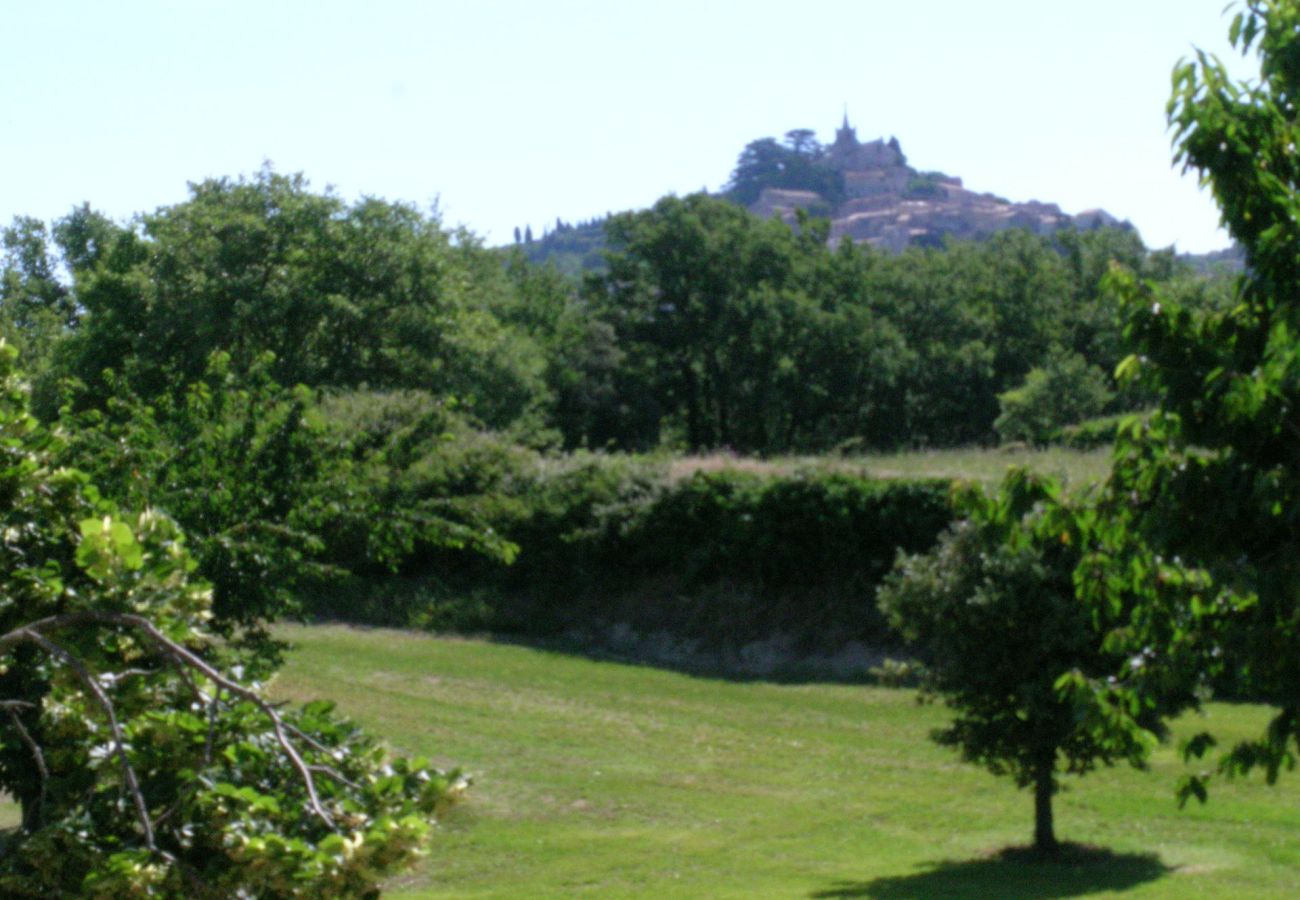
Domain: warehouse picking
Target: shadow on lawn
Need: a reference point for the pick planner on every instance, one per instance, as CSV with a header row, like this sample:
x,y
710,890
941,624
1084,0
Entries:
x,y
1014,873
722,665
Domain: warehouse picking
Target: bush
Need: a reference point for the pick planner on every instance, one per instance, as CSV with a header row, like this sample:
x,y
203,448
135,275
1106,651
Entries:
x,y
722,557
1065,390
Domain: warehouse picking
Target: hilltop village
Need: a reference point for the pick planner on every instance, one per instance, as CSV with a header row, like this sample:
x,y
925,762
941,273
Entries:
x,y
886,203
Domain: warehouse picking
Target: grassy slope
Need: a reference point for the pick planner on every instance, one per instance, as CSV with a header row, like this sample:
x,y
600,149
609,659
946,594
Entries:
x,y
613,780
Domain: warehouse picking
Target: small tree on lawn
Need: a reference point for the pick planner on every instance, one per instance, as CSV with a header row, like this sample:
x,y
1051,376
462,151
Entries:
x,y
991,611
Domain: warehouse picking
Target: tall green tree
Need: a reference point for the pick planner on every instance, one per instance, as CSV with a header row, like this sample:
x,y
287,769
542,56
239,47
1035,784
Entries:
x,y
371,293
690,288
1201,539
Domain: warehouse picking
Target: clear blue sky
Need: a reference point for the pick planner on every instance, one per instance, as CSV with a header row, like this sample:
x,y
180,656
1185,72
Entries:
x,y
512,112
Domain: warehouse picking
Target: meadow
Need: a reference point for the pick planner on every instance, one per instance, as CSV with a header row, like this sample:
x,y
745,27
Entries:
x,y
985,465
599,778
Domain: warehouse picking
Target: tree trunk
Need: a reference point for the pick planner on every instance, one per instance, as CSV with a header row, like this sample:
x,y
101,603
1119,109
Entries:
x,y
29,813
1044,833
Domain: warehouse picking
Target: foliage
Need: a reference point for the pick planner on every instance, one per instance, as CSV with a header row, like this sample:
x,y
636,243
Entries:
x,y
724,318
706,328
993,613
724,558
277,492
1091,433
1065,390
374,293
412,482
729,332
36,308
569,249
924,187
142,769
235,461
1200,539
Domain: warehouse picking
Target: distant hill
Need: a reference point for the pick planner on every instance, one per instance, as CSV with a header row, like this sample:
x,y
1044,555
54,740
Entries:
x,y
867,190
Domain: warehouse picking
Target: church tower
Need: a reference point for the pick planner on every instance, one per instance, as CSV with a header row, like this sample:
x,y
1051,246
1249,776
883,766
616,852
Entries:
x,y
847,136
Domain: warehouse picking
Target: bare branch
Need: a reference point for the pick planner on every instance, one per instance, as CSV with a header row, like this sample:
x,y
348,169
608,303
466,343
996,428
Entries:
x,y
182,657
119,740
110,679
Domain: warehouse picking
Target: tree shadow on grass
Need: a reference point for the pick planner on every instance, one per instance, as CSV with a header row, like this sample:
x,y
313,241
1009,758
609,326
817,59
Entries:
x,y
1014,873
718,665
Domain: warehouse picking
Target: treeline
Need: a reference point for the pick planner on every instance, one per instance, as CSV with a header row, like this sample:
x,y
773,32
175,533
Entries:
x,y
731,331
708,328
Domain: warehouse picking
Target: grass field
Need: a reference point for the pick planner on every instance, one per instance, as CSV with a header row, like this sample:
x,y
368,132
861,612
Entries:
x,y
983,464
600,779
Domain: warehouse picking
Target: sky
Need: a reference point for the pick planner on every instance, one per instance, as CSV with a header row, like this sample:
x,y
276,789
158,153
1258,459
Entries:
x,y
509,113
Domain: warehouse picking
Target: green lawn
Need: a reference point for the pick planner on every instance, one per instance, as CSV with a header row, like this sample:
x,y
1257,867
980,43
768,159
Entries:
x,y
595,778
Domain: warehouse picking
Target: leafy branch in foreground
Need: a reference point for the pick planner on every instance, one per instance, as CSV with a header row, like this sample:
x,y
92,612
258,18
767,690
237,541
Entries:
x,y
140,767
1198,543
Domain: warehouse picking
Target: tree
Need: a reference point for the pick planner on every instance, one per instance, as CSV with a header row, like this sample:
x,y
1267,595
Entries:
x,y
141,768
1200,539
30,287
722,316
683,291
941,302
992,612
243,466
766,163
803,142
372,293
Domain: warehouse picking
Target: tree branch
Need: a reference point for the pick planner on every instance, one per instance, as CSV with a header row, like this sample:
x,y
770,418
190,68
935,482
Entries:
x,y
106,704
187,661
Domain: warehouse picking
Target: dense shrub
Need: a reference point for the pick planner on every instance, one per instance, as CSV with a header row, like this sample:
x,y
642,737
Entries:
x,y
1065,390
723,557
